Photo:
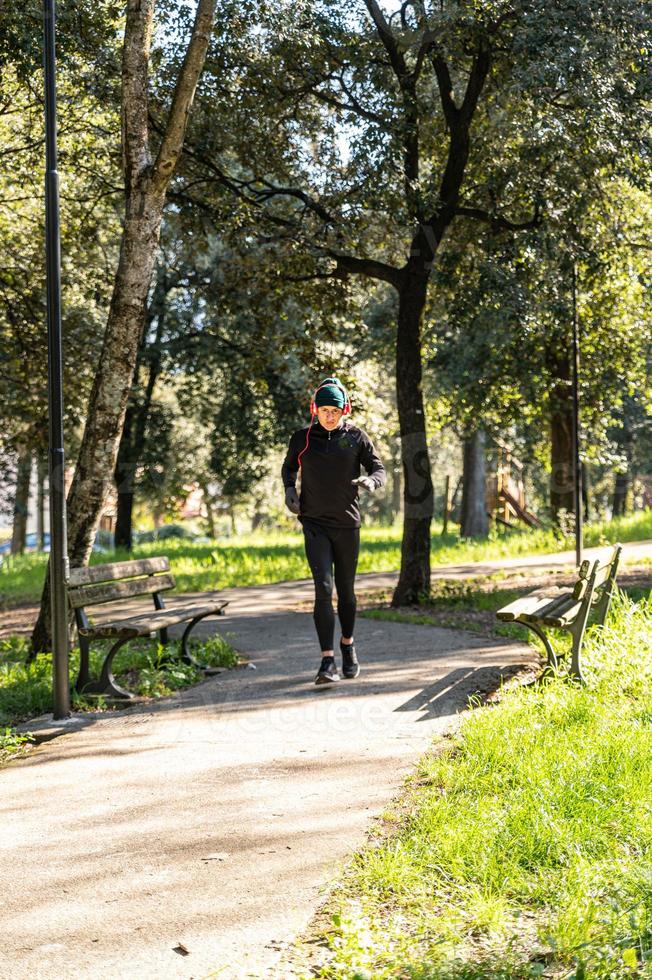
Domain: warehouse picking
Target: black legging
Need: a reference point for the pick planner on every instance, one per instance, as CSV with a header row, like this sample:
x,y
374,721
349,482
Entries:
x,y
325,547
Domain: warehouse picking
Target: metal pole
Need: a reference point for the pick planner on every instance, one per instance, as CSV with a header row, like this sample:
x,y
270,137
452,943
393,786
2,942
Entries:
x,y
577,466
56,461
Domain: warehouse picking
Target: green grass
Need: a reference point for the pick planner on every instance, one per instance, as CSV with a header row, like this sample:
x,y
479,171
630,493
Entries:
x,y
13,744
275,557
452,604
523,847
26,689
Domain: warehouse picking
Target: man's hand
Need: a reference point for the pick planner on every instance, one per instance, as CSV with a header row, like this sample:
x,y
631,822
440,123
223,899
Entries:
x,y
366,482
292,500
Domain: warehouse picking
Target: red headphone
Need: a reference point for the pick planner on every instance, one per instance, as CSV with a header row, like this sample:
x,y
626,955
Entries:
x,y
313,408
338,384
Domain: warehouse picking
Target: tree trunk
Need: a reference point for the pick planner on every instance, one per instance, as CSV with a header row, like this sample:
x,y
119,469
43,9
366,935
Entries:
x,y
208,504
396,492
210,519
625,440
562,487
125,472
474,521
97,455
21,502
411,283
41,474
146,184
621,490
135,424
414,578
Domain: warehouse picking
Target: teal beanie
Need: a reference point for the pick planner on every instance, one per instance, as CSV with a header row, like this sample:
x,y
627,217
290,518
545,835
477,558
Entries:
x,y
330,393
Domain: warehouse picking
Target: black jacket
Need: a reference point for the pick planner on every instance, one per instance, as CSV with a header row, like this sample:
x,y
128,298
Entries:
x,y
329,464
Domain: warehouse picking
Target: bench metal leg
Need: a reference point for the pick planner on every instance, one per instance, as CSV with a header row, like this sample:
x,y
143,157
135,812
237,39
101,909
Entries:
x,y
107,682
186,655
84,675
575,671
551,663
577,632
160,604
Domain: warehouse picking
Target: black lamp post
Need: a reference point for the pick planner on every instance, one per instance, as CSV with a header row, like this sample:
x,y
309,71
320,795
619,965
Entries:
x,y
56,461
577,466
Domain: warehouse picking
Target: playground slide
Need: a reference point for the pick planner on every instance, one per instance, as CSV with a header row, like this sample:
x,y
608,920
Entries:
x,y
524,515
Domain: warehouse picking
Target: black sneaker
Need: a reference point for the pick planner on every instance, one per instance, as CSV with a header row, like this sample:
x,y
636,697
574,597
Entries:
x,y
327,672
350,665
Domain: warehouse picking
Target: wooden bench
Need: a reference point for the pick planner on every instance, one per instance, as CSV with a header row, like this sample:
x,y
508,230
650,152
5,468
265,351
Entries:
x,y
567,608
124,580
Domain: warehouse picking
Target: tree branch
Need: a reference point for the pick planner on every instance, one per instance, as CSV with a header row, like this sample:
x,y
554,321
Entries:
x,y
184,92
296,192
396,58
477,77
407,84
350,264
445,85
352,106
497,221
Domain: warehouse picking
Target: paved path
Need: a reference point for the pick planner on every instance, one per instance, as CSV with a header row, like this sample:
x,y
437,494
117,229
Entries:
x,y
216,821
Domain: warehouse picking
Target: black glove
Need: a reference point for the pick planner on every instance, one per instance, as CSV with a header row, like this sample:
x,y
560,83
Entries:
x,y
366,482
292,500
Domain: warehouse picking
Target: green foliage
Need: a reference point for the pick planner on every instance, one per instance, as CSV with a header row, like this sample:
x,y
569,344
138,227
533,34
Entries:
x,y
142,666
88,165
501,323
86,32
527,848
13,744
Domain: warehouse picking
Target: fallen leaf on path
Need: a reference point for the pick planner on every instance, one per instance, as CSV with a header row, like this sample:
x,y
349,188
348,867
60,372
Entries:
x,y
181,950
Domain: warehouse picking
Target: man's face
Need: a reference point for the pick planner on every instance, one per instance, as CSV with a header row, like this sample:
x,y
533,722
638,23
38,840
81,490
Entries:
x,y
329,416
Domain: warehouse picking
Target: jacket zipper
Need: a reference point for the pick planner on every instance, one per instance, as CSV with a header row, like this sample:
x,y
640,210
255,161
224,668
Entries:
x,y
328,447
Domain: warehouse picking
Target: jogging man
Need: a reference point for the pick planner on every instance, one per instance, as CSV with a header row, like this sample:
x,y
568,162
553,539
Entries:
x,y
330,453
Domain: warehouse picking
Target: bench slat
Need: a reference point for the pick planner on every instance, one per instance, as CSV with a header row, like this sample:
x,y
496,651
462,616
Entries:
x,y
556,614
527,603
550,609
579,589
112,571
564,616
147,623
91,595
602,575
